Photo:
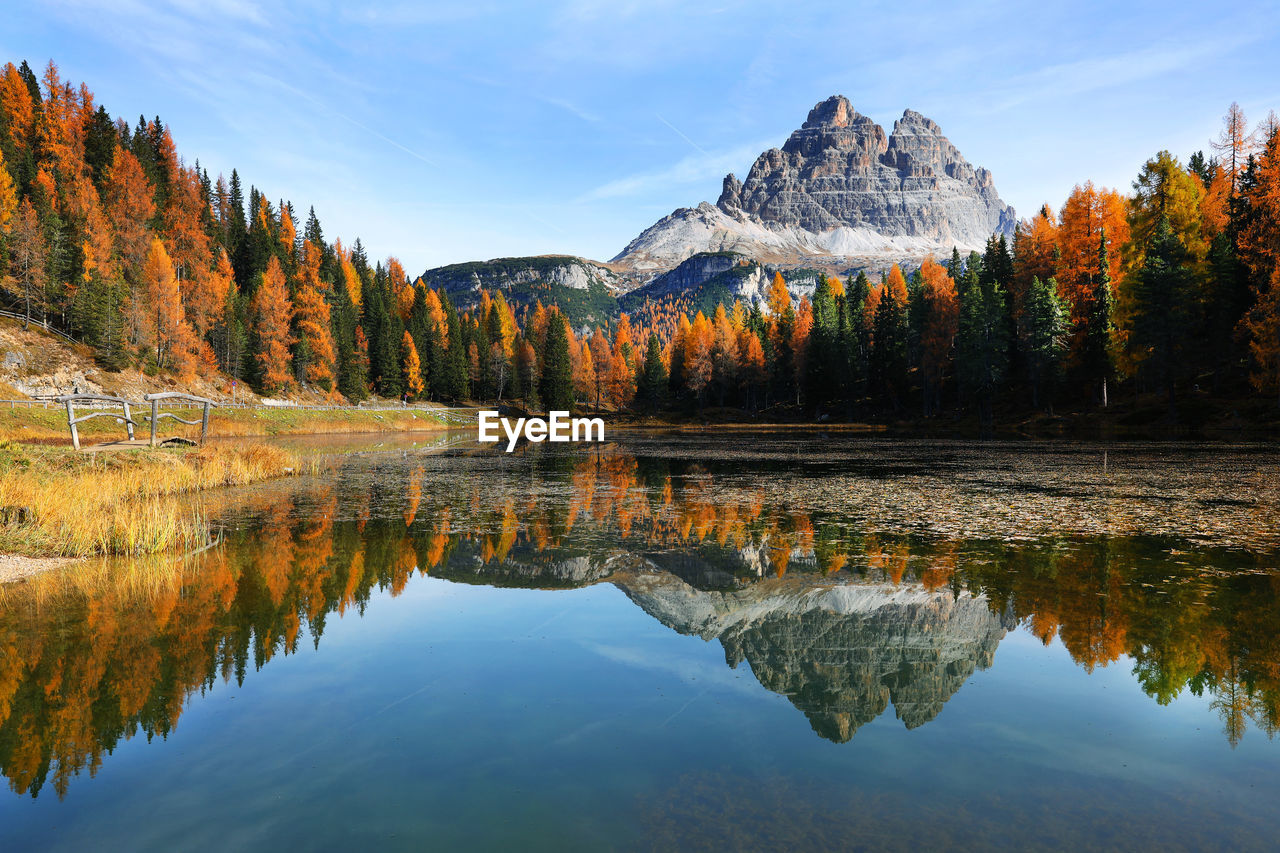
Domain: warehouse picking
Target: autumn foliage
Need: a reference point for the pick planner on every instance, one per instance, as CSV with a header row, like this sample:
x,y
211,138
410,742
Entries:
x,y
109,235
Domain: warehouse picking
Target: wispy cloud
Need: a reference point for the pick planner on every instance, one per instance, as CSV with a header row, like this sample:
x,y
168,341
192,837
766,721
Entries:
x,y
330,109
1092,74
694,169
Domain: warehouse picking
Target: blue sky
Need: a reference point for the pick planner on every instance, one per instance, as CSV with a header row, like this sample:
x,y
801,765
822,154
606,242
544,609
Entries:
x,y
447,132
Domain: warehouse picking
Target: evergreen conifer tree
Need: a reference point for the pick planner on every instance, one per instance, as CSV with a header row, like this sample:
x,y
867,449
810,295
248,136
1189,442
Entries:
x,y
556,385
1044,331
651,385
1163,297
1096,366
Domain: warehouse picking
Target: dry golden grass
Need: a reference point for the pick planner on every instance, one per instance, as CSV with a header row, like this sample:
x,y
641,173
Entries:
x,y
50,424
143,578
55,502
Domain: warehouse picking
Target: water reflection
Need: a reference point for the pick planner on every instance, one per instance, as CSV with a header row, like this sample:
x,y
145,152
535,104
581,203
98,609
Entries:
x,y
842,620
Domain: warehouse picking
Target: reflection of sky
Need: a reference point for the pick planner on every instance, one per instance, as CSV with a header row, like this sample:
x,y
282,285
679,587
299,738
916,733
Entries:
x,y
469,714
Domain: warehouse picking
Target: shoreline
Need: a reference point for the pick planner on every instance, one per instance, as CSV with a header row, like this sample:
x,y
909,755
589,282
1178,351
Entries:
x,y
18,567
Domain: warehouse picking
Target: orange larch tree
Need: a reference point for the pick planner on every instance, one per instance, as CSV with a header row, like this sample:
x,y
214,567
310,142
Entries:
x,y
272,321
183,227
312,319
8,197
19,109
584,369
697,356
801,333
350,278
167,329
778,298
724,354
602,361
1035,254
1088,212
129,204
411,367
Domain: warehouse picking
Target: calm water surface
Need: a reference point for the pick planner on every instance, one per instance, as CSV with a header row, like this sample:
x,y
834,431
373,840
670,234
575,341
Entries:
x,y
673,642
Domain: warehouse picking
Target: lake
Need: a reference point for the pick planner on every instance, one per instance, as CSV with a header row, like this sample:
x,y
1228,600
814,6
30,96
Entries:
x,y
672,641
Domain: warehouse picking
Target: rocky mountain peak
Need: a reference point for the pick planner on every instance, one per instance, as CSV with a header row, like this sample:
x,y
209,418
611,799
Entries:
x,y
730,193
914,122
839,187
835,111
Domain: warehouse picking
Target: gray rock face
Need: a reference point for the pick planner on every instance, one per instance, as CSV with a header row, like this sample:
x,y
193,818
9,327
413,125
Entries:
x,y
840,186
839,169
508,273
727,275
694,272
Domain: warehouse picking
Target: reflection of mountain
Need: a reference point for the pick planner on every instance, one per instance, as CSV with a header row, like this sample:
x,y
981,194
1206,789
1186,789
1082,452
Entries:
x,y
523,568
839,653
843,622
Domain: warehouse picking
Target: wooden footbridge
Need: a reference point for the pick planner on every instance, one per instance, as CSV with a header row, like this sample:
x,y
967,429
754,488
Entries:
x,y
102,406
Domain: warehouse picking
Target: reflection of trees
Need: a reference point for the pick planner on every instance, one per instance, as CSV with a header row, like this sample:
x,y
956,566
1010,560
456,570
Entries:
x,y
91,658
88,660
1183,627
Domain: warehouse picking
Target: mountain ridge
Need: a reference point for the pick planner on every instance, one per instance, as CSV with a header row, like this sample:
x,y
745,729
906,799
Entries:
x,y
839,188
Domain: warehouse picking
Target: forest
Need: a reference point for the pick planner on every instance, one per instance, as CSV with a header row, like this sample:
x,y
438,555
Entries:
x,y
1169,292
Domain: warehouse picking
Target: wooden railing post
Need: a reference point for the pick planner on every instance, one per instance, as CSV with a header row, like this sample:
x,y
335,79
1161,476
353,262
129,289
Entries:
x,y
128,420
155,409
204,423
71,422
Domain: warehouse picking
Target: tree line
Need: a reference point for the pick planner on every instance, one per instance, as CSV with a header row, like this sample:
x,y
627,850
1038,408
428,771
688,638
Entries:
x,y
1173,288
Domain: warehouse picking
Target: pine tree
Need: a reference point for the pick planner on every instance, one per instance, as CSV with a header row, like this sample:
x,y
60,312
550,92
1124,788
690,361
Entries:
x,y
1095,363
982,341
357,378
955,267
651,387
856,340
236,228
1044,337
456,384
100,143
344,320
939,318
232,341
822,366
889,357
556,385
1263,326
1163,294
482,385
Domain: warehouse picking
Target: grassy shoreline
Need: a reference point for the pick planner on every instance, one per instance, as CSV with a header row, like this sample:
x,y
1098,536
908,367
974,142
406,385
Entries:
x,y
57,504
38,424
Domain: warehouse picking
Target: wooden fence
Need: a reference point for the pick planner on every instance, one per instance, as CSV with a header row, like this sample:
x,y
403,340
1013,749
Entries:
x,y
39,324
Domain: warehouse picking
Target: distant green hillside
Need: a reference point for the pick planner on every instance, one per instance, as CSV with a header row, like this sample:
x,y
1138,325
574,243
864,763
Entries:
x,y
583,291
